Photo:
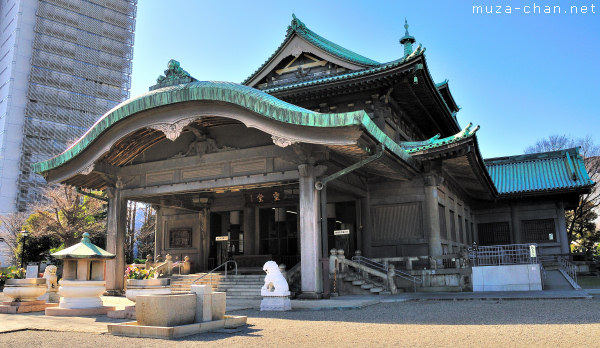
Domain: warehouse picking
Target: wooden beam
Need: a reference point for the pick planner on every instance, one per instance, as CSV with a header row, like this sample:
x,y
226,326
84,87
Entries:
x,y
303,66
211,184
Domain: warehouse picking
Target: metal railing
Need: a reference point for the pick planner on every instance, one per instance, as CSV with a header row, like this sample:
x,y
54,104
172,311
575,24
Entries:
x,y
224,265
568,267
361,260
383,267
512,254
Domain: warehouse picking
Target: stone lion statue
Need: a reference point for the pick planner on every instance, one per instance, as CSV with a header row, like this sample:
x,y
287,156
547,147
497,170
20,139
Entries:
x,y
275,283
50,275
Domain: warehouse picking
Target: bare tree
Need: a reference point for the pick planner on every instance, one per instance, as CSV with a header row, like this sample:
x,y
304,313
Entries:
x,y
581,228
66,215
130,230
145,236
10,227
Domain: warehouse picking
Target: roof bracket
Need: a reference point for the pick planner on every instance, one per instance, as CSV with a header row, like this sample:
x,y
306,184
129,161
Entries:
x,y
319,185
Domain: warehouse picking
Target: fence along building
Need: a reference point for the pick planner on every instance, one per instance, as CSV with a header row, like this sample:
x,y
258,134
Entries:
x,y
318,139
64,64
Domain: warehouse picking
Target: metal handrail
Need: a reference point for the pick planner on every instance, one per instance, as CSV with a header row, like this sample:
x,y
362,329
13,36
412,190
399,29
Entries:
x,y
383,267
370,263
568,267
216,268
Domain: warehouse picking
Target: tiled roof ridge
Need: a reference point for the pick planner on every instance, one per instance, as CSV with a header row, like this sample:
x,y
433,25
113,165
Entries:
x,y
532,157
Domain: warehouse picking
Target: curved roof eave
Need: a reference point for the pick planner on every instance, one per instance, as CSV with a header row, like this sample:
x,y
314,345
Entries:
x,y
246,97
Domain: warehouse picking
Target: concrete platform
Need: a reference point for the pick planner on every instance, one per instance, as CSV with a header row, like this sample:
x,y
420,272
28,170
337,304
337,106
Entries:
x,y
10,307
78,312
489,295
132,329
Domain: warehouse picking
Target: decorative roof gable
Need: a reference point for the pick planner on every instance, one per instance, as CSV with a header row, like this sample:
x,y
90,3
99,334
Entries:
x,y
174,75
320,47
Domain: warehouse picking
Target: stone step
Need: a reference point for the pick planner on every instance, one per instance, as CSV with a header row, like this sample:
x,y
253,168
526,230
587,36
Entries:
x,y
358,282
367,286
376,290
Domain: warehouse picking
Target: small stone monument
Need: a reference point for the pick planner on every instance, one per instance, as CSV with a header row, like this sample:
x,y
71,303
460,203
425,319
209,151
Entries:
x,y
275,292
51,295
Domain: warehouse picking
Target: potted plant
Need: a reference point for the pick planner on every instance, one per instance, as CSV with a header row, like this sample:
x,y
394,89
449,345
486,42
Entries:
x,y
22,289
145,282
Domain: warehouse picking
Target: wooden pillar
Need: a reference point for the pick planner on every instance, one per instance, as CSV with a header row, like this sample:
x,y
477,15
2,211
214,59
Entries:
x,y
158,232
249,232
563,238
366,246
310,236
203,215
115,240
515,236
323,221
432,215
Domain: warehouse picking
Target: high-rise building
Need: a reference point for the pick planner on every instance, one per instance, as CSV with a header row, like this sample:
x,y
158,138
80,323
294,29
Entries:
x,y
63,63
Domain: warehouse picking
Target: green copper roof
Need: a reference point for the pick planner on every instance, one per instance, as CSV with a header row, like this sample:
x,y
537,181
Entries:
x,y
417,146
418,52
301,30
539,172
83,250
243,96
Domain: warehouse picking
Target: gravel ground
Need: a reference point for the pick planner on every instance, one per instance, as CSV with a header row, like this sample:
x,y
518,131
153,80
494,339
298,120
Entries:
x,y
543,323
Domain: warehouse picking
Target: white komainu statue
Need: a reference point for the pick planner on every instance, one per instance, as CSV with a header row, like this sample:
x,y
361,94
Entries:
x,y
51,279
275,283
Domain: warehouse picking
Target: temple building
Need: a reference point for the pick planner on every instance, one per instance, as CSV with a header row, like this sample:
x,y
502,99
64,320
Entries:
x,y
318,139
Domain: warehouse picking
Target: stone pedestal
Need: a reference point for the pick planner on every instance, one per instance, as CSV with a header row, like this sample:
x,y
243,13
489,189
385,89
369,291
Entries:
x,y
127,313
276,303
210,306
165,310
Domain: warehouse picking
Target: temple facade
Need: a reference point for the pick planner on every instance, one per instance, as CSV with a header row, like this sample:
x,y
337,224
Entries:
x,y
319,148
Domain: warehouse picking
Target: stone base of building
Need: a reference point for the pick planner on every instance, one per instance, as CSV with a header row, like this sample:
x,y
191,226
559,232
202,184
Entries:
x,y
25,307
276,303
127,313
310,296
78,312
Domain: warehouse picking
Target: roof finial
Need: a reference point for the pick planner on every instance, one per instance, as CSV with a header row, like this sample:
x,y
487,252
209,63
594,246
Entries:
x,y
407,40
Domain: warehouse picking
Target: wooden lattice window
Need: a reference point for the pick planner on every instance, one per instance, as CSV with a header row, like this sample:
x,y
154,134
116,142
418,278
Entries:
x,y
540,230
493,233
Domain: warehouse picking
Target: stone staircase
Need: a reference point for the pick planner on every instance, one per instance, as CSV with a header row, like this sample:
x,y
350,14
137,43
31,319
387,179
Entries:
x,y
360,285
235,286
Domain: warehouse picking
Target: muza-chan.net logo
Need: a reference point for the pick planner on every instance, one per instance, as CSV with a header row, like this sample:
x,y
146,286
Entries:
x,y
534,8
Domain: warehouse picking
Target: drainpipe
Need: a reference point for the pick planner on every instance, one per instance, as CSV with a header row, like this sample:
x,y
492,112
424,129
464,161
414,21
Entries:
x,y
320,186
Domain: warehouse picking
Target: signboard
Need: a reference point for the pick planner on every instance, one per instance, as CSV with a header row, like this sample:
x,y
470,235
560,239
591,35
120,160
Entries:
x,y
340,232
551,236
532,252
32,272
222,238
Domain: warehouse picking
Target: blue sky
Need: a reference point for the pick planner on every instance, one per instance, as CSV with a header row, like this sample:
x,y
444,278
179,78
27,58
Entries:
x,y
521,77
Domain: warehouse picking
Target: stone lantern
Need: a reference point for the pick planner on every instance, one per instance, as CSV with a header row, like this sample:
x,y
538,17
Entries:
x,y
83,280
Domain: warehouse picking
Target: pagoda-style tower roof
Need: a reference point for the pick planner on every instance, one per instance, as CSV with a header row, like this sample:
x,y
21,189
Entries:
x,y
83,250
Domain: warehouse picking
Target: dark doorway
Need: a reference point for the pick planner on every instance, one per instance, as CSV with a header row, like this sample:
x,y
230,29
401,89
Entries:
x,y
279,234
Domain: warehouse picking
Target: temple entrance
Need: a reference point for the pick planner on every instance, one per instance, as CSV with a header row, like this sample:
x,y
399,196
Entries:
x,y
278,233
226,237
341,217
